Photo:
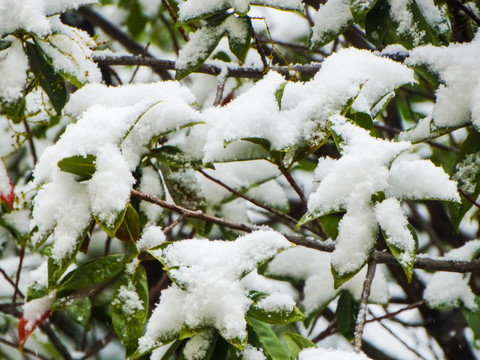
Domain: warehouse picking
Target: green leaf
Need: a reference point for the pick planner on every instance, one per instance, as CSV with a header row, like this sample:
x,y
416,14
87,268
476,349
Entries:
x,y
129,229
279,94
80,312
400,254
296,343
92,273
50,81
276,317
174,157
5,44
330,223
36,291
239,42
262,336
377,23
14,110
56,268
360,8
306,218
111,230
339,280
82,166
467,172
362,119
136,20
184,188
201,45
130,308
346,315
473,320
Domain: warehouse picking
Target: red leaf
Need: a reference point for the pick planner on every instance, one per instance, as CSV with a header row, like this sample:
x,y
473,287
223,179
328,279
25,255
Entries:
x,y
8,198
25,328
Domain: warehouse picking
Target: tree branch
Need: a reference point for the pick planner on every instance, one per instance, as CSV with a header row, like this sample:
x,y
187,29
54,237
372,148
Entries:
x,y
380,257
362,309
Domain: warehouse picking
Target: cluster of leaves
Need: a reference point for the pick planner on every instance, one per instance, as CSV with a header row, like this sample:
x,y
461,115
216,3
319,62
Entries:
x,y
120,288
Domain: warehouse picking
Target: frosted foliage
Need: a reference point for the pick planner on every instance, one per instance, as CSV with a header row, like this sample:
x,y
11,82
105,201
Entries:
x,y
252,353
349,183
434,15
194,8
413,178
276,302
13,70
313,268
355,241
151,237
457,99
62,204
105,116
196,348
129,300
31,15
446,289
393,221
35,309
324,354
402,15
109,188
69,50
466,172
211,294
5,187
330,19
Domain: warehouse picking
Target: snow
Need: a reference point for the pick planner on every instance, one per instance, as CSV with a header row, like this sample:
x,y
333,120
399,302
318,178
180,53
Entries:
x,y
5,187
400,11
324,354
151,184
448,290
252,353
393,221
198,345
207,291
466,172
32,15
456,99
151,237
313,268
35,309
331,18
13,70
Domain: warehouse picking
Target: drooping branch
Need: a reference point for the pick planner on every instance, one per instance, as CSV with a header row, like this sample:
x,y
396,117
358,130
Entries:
x,y
380,257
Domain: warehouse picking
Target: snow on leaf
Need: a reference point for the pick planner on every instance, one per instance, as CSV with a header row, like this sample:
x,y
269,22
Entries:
x,y
331,19
457,97
35,312
451,290
13,71
7,195
312,267
211,294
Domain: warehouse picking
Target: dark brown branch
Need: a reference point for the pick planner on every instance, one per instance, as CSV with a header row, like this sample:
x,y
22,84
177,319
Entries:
x,y
10,281
395,313
31,145
379,257
17,279
173,224
362,308
469,198
210,69
172,14
257,203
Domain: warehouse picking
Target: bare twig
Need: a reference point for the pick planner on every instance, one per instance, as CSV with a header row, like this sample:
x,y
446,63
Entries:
x,y
31,145
362,308
222,79
99,345
308,70
395,313
380,257
329,330
10,281
295,186
17,279
172,14
177,221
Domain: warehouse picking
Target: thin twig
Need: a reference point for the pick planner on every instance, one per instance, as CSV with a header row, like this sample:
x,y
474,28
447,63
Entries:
x,y
400,340
177,221
222,79
469,198
329,330
380,257
362,308
25,351
395,313
10,281
99,345
145,51
175,20
17,279
31,145
260,51
259,204
295,186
